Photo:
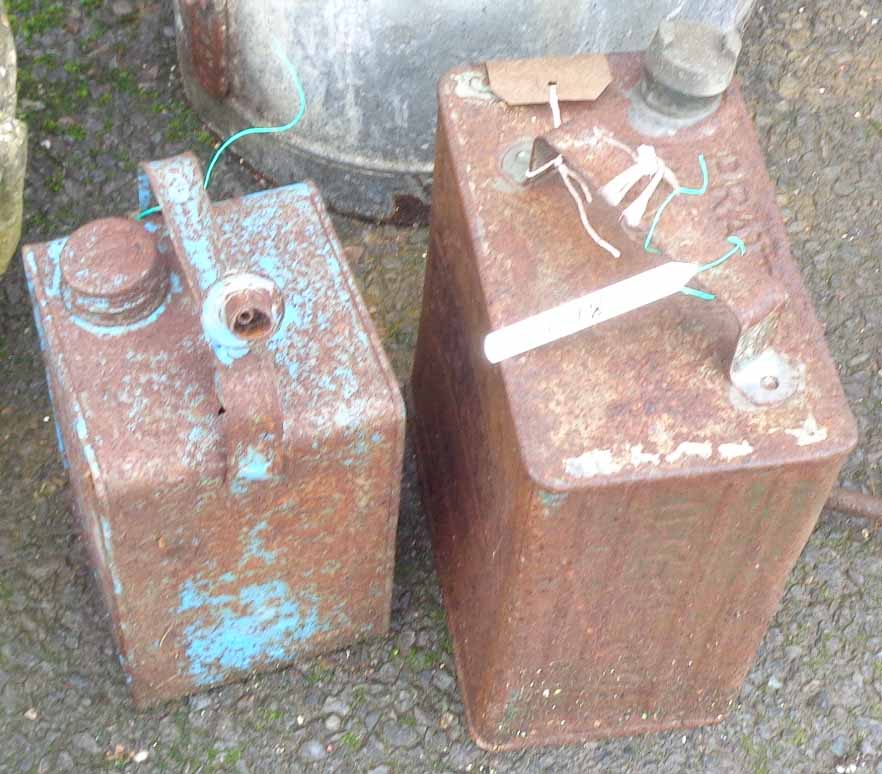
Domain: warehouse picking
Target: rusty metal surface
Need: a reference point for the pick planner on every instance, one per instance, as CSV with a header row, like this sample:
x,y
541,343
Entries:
x,y
855,503
204,24
613,521
235,456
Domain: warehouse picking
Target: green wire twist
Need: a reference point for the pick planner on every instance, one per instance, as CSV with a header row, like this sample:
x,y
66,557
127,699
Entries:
x,y
647,244
301,97
737,243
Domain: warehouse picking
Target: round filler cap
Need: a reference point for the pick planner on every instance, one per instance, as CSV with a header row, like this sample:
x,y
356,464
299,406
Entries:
x,y
692,58
112,273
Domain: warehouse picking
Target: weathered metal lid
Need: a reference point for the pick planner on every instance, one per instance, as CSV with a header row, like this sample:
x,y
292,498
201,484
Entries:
x,y
112,272
691,58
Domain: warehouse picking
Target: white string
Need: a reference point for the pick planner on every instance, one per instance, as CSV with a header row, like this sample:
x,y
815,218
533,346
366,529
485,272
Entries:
x,y
566,175
555,105
555,162
646,164
635,211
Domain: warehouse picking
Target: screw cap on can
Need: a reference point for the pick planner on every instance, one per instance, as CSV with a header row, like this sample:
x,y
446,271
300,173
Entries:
x,y
692,58
112,272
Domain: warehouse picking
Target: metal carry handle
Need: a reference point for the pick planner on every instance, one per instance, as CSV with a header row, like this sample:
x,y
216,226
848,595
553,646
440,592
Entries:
x,y
751,295
238,311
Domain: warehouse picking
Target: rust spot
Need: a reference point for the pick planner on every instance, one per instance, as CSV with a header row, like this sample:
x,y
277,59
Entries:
x,y
409,210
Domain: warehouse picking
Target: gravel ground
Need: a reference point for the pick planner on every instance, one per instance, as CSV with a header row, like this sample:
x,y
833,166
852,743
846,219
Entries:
x,y
99,89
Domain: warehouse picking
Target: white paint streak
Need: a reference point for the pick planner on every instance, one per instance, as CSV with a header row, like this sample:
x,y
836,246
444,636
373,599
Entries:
x,y
691,449
639,457
809,433
731,451
598,462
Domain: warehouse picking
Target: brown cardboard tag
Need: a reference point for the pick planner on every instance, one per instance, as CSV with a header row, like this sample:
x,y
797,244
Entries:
x,y
525,81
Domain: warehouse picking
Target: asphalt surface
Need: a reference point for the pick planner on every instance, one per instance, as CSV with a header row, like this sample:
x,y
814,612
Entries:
x,y
98,86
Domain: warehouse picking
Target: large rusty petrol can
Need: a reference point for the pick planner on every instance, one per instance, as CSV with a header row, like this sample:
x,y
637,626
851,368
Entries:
x,y
233,431
614,514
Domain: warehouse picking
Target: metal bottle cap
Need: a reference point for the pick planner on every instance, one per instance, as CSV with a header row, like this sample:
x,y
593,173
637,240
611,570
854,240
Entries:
x,y
686,69
112,273
692,59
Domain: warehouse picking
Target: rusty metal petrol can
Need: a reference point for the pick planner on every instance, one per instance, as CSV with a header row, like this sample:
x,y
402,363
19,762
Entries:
x,y
233,431
614,515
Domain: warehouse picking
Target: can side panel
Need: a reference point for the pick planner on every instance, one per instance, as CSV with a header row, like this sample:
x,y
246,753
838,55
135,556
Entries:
x,y
466,451
84,475
661,593
252,582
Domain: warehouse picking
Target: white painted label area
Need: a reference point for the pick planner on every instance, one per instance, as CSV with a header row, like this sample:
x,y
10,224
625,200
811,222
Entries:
x,y
581,313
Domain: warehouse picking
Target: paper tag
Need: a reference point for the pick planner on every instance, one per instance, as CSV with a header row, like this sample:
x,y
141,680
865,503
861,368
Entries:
x,y
581,313
525,81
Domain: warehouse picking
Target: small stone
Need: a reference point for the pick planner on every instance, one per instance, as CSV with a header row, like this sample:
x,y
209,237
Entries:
x,y
31,714
333,723
859,360
313,750
790,87
443,680
334,706
405,641
775,683
388,673
380,770
201,702
421,718
140,756
839,746
399,735
122,7
86,742
446,720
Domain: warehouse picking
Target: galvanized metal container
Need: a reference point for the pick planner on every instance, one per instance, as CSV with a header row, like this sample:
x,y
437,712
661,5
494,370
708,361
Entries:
x,y
614,515
232,428
370,67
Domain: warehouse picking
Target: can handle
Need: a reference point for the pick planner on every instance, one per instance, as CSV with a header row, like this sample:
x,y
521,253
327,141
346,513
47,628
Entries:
x,y
239,311
752,296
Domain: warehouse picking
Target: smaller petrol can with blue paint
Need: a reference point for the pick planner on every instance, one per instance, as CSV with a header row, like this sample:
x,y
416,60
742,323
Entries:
x,y
232,428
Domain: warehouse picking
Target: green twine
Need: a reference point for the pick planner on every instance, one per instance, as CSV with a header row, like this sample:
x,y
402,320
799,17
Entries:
x,y
647,244
301,98
737,243
738,246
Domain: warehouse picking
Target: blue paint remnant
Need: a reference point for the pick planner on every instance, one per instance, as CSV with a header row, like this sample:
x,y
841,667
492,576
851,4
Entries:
x,y
88,451
297,189
31,263
552,500
198,435
175,288
253,466
53,253
199,254
107,539
226,345
145,194
256,546
59,439
377,438
237,631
